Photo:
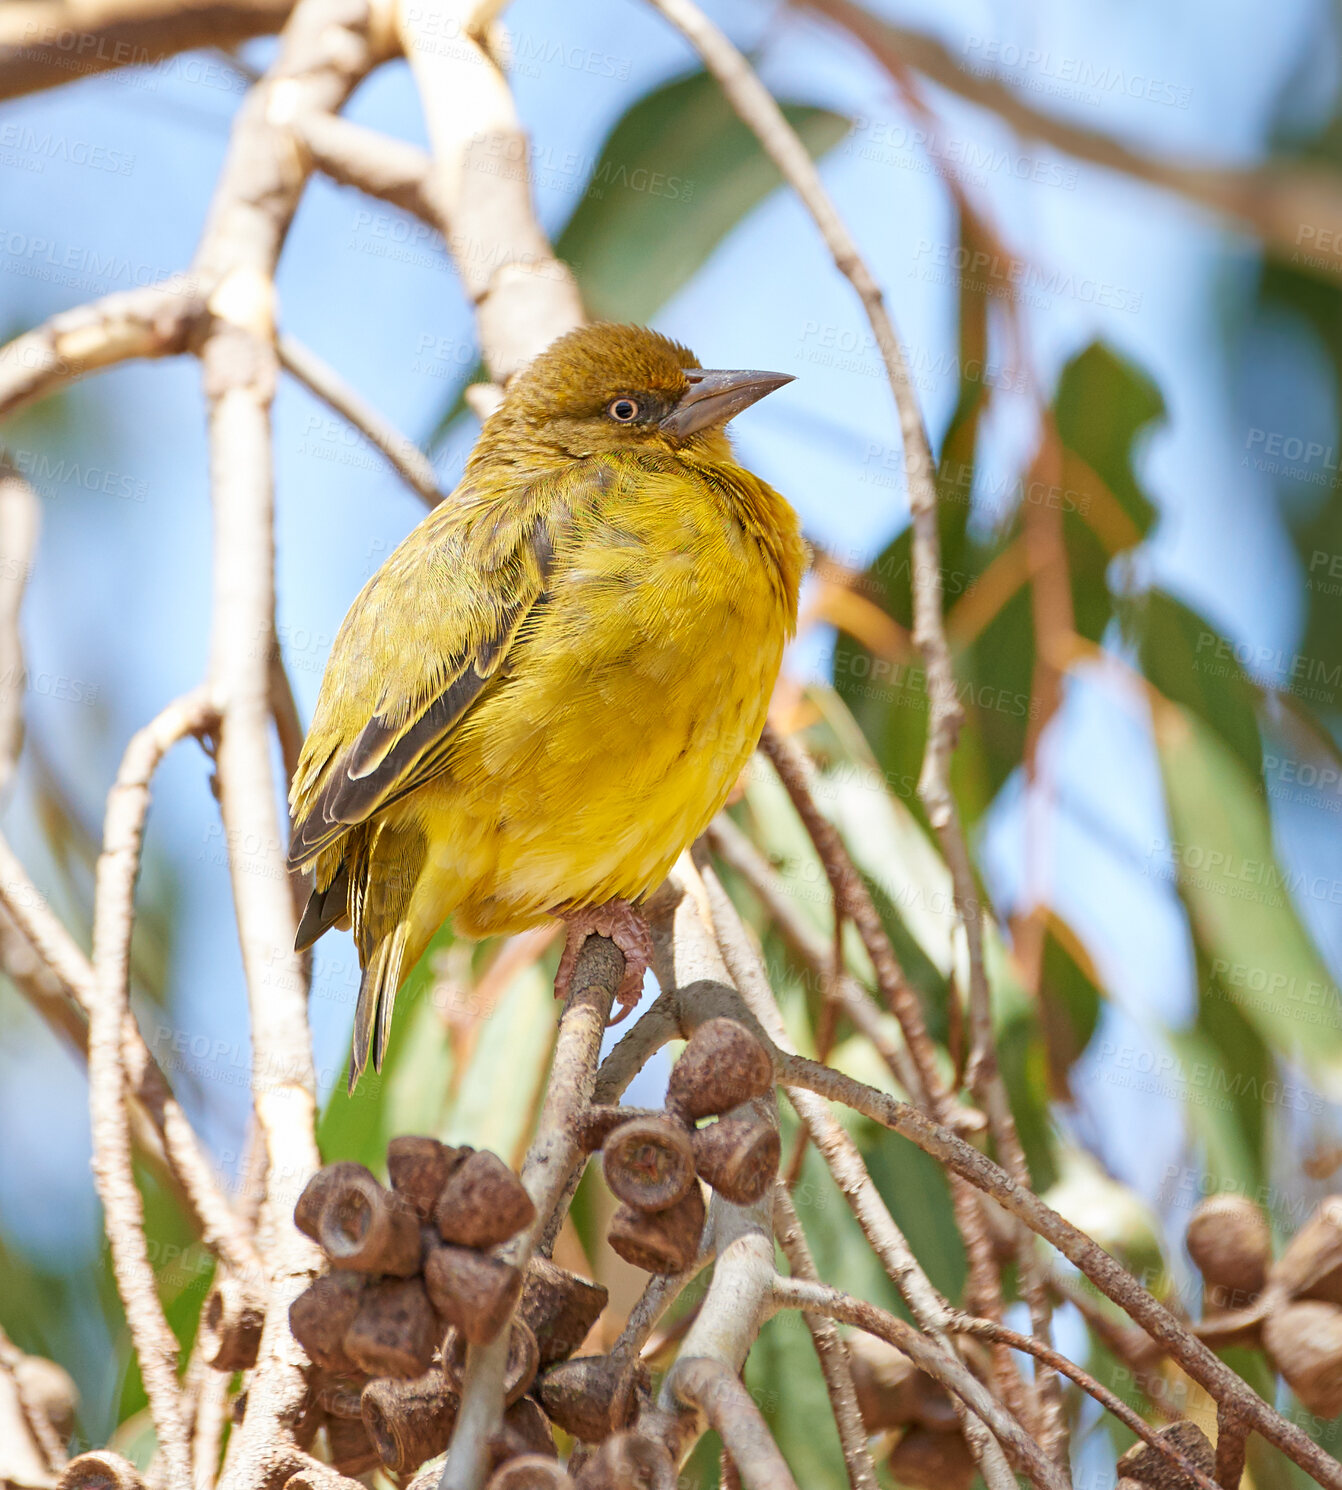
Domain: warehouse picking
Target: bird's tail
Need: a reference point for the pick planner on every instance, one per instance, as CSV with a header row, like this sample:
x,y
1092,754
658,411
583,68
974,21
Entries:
x,y
377,997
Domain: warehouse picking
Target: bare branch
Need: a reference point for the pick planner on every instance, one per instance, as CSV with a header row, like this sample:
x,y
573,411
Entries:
x,y
719,1393
706,905
178,1147
44,43
523,296
159,321
326,48
553,1155
114,913
376,164
403,455
990,1329
1025,1455
829,1348
20,514
1286,206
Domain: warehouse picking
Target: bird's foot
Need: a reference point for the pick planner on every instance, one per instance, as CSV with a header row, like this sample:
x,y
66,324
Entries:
x,y
625,926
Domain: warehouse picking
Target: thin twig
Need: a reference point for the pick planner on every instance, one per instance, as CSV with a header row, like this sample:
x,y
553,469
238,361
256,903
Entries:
x,y
830,1350
1276,202
36,48
1026,1456
403,455
20,514
1232,1442
178,1147
990,1329
1109,1276
123,1210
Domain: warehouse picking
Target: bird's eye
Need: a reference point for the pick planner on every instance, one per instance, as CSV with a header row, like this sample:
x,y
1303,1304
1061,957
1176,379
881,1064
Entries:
x,y
623,410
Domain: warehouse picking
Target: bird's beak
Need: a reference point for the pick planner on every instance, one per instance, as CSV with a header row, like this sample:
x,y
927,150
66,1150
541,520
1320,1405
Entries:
x,y
715,397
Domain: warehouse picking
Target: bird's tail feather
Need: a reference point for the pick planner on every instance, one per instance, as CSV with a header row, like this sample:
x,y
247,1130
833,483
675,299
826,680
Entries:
x,y
377,997
325,908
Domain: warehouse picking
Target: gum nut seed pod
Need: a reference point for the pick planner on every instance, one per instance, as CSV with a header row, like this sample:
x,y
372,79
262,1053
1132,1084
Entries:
x,y
308,1209
321,1314
530,1472
722,1066
660,1241
1147,1465
738,1157
648,1162
590,1396
482,1203
628,1459
472,1291
1231,1243
408,1421
341,1397
418,1168
366,1228
1304,1341
928,1460
525,1430
518,1372
1311,1265
100,1470
352,1451
394,1331
560,1307
599,1121
230,1327
885,1382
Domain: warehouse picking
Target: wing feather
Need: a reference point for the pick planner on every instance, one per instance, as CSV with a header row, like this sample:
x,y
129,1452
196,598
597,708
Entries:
x,y
452,599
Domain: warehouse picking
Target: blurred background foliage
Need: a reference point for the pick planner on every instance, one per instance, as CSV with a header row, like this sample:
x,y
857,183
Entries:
x,y
1141,519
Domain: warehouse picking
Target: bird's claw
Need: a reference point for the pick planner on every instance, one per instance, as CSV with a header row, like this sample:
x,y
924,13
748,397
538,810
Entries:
x,y
619,921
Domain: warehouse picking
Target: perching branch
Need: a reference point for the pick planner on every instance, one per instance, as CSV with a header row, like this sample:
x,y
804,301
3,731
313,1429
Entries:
x,y
554,1153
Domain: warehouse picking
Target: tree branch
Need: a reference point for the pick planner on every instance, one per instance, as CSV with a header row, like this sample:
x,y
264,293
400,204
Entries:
x,y
322,380
114,914
829,1348
719,1393
44,43
1025,1455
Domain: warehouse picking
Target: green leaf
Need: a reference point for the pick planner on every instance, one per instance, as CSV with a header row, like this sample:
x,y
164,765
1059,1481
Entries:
x,y
1192,664
1070,995
1239,898
1103,403
676,174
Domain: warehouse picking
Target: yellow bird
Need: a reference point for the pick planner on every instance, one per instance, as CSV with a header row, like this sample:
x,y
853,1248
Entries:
x,y
550,687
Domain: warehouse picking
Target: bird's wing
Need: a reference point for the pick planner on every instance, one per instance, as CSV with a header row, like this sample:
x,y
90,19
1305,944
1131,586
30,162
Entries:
x,y
424,640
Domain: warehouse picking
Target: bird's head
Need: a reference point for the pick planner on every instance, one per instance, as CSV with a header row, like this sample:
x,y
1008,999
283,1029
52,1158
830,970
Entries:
x,y
605,388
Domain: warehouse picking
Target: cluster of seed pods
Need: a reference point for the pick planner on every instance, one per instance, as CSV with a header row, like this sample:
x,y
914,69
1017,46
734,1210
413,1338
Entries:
x,y
415,1277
